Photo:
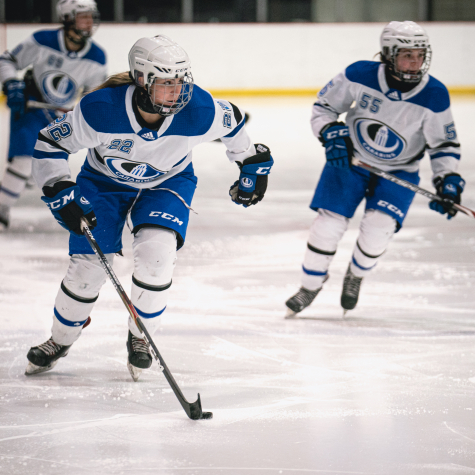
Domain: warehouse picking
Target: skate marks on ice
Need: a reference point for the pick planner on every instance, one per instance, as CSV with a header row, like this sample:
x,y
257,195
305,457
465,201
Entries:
x,y
62,427
389,389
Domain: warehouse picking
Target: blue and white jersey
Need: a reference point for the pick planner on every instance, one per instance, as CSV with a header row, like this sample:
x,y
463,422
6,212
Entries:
x,y
105,123
60,75
389,129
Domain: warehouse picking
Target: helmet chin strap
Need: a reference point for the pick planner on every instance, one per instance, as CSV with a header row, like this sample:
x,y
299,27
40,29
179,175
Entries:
x,y
80,42
396,83
144,102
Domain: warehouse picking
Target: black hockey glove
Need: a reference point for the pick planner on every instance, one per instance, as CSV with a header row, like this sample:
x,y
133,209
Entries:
x,y
68,206
252,183
449,187
338,145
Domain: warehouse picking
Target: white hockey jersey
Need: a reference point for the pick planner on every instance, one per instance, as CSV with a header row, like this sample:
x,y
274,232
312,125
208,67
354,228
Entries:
x,y
389,129
60,75
119,147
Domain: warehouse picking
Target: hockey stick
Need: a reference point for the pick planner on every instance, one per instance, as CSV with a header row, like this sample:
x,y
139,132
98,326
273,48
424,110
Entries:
x,y
412,187
192,410
45,105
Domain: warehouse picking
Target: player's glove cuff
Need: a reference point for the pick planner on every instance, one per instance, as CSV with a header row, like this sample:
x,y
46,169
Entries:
x,y
449,188
338,145
68,206
252,183
15,92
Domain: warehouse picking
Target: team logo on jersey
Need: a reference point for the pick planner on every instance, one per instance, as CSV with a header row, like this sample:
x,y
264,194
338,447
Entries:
x,y
132,172
148,134
393,95
58,87
378,139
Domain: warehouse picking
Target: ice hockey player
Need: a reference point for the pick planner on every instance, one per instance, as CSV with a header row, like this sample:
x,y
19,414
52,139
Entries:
x,y
140,128
64,63
399,111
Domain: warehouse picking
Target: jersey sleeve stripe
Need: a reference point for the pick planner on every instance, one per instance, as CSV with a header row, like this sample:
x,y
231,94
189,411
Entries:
x,y
445,145
44,139
41,154
325,107
236,130
237,113
444,154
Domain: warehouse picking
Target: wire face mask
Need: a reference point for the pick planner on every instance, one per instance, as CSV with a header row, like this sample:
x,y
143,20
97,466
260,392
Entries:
x,y
411,76
86,23
170,96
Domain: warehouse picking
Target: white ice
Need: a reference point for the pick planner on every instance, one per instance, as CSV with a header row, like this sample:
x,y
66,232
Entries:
x,y
390,389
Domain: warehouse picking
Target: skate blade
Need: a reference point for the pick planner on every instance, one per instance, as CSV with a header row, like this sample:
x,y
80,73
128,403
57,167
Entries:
x,y
34,369
290,314
134,371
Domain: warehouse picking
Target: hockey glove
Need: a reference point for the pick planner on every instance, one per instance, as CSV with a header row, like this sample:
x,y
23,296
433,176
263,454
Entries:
x,y
338,145
252,183
15,92
449,187
68,206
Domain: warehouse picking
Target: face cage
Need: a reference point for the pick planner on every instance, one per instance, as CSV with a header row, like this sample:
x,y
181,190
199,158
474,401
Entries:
x,y
85,34
407,77
183,97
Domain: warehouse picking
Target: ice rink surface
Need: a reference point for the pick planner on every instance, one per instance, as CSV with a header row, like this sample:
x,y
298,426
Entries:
x,y
390,389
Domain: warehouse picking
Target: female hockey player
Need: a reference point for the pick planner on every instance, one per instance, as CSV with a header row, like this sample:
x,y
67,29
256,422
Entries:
x,y
64,63
399,111
140,129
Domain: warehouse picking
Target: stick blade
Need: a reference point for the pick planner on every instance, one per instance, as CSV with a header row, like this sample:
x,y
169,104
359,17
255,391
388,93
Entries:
x,y
195,412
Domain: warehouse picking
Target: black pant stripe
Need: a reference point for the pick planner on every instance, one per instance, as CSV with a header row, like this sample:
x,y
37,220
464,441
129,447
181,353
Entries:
x,y
18,175
76,297
319,251
366,254
153,288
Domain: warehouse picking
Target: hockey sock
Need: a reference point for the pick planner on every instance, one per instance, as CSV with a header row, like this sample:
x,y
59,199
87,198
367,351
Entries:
x,y
376,230
14,180
325,233
76,297
154,259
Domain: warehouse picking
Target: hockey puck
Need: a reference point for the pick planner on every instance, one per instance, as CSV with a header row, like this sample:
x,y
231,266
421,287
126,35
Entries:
x,y
206,415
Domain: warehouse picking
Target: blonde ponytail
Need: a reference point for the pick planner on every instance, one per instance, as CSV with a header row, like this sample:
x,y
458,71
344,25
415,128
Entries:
x,y
116,80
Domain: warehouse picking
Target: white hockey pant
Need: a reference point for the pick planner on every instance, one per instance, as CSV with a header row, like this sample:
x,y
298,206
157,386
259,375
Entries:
x,y
14,180
376,230
154,261
325,233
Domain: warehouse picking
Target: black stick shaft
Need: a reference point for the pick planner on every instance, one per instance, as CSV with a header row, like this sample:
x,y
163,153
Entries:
x,y
192,410
412,187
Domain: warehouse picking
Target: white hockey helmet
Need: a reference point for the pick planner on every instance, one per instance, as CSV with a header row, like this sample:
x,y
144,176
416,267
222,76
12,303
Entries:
x,y
399,35
67,10
154,60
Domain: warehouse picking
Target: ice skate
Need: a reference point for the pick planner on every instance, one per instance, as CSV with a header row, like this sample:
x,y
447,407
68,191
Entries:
x,y
4,217
301,300
139,356
351,291
44,357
